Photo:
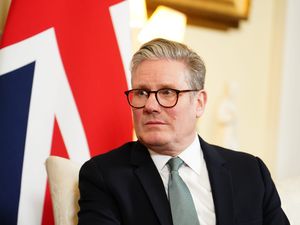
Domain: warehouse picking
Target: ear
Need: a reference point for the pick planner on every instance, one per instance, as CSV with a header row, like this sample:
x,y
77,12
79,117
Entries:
x,y
201,102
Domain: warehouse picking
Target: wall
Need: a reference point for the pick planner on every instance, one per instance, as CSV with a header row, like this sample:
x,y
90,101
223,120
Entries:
x,y
245,56
252,57
289,134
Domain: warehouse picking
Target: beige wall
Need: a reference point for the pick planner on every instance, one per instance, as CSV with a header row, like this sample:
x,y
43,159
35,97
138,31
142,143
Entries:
x,y
246,56
289,120
251,57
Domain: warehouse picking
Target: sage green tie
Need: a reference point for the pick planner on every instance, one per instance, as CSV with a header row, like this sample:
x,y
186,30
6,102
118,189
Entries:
x,y
181,201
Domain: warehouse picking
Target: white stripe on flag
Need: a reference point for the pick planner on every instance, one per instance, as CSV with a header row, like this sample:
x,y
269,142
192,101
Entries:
x,y
51,96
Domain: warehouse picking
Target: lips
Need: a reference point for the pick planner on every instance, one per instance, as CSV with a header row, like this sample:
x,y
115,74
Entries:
x,y
155,122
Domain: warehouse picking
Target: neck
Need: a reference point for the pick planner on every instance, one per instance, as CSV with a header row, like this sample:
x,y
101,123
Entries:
x,y
171,149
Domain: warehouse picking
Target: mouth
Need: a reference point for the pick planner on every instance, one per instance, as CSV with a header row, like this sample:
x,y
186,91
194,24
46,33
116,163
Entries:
x,y
155,122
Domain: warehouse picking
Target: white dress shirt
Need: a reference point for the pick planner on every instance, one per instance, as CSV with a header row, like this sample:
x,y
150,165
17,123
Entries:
x,y
194,173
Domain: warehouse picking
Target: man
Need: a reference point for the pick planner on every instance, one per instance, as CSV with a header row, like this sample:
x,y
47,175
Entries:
x,y
136,184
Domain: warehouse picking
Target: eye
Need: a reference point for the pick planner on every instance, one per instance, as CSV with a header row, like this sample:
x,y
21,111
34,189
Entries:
x,y
140,93
167,92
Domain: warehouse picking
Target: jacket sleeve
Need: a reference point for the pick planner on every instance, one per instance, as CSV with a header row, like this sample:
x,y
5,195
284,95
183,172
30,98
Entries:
x,y
272,211
97,205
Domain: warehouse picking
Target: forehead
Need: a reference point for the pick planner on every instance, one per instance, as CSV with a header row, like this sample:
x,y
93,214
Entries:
x,y
160,73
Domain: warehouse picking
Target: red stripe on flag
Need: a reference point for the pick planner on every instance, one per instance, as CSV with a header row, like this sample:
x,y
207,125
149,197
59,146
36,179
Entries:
x,y
58,149
48,218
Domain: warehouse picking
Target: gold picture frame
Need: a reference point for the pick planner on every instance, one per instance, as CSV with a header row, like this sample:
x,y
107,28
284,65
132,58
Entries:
x,y
220,14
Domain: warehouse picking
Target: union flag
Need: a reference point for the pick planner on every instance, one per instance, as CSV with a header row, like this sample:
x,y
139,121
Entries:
x,y
63,71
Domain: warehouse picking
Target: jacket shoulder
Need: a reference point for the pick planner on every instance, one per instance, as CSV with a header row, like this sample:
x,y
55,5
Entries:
x,y
221,154
233,155
239,163
116,155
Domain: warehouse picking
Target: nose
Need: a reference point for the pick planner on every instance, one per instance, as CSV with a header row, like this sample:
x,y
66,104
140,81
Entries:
x,y
151,104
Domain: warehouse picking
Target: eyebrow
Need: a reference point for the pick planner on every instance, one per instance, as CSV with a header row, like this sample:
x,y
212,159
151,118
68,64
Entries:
x,y
145,87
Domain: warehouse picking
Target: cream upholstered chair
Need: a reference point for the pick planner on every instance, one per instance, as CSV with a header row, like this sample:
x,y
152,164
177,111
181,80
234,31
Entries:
x,y
289,191
63,180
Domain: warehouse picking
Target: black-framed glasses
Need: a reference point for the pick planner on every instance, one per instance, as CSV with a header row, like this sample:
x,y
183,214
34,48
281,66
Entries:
x,y
166,97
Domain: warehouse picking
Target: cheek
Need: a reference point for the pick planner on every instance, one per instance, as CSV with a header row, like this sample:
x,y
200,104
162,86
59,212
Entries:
x,y
180,117
136,116
172,114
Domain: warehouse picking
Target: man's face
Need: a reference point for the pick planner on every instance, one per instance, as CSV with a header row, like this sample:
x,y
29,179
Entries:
x,y
166,130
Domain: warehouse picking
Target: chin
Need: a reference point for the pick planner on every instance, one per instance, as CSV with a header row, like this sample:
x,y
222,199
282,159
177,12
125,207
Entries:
x,y
153,139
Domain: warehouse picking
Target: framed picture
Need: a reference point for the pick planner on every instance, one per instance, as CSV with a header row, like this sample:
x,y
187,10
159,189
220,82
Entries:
x,y
220,14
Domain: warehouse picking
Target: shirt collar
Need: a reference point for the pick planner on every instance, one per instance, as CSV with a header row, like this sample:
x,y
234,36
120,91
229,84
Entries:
x,y
192,156
159,160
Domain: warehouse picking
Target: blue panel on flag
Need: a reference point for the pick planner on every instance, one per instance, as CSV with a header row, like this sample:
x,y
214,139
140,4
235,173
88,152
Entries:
x,y
15,92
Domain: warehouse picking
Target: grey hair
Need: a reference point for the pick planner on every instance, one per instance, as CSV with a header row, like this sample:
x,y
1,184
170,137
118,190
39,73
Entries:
x,y
165,49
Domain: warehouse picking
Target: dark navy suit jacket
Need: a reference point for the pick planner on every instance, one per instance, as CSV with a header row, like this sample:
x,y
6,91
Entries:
x,y
124,187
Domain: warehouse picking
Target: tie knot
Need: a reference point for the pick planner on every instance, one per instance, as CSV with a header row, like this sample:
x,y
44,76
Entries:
x,y
175,163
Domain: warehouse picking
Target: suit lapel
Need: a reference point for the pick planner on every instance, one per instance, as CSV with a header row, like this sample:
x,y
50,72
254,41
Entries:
x,y
221,184
151,181
219,175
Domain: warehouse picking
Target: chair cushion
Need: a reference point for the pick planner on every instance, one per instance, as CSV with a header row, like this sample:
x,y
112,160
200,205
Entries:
x,y
63,180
